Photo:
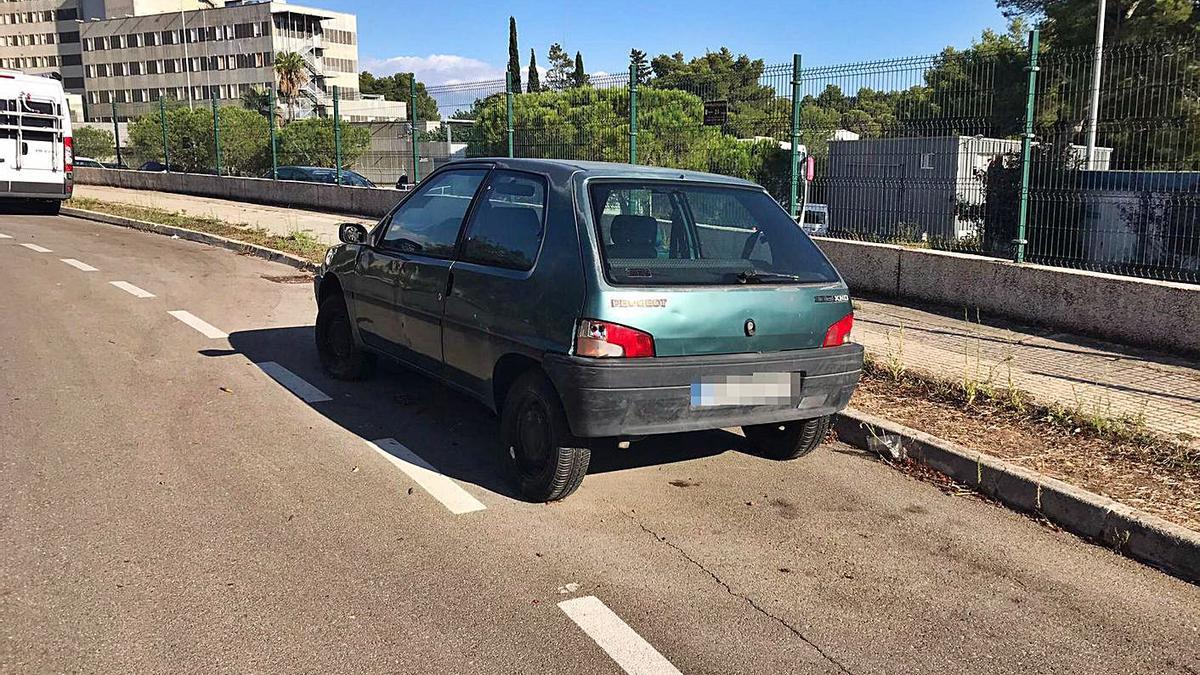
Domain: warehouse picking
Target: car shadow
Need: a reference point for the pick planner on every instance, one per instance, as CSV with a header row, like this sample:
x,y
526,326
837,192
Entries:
x,y
450,430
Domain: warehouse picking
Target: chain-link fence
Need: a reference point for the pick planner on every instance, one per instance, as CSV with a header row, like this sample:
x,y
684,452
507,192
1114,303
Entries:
x,y
985,150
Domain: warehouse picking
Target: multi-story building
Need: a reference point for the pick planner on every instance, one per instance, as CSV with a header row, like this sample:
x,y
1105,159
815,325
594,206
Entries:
x,y
223,51
42,36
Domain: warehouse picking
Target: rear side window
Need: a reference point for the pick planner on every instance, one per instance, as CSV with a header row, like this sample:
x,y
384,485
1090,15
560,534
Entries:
x,y
507,226
654,233
428,222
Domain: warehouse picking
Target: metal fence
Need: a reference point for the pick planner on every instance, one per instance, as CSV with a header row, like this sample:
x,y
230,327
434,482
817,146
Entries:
x,y
983,150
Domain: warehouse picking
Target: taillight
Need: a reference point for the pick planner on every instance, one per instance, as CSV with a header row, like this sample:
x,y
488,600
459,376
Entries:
x,y
612,340
68,154
838,332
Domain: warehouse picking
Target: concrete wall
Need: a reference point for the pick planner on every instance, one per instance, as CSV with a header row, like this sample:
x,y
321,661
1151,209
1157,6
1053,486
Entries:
x,y
373,202
1158,314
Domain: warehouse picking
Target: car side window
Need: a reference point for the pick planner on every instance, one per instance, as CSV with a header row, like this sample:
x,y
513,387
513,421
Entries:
x,y
506,228
428,222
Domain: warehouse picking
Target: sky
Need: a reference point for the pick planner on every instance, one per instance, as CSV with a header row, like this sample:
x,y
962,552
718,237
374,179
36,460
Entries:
x,y
451,41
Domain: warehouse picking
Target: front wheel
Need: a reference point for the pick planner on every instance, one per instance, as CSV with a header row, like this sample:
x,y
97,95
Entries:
x,y
341,357
788,440
546,459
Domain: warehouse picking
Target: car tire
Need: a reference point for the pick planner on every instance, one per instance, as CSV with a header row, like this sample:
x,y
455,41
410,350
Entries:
x,y
52,207
788,440
548,462
341,356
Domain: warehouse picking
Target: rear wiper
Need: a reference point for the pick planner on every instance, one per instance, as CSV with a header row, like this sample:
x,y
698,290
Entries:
x,y
753,277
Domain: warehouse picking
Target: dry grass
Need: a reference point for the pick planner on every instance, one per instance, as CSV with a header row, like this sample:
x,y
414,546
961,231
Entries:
x,y
297,243
1115,457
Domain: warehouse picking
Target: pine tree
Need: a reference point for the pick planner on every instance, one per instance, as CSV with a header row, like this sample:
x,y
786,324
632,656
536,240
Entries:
x,y
579,77
534,80
559,76
514,56
638,59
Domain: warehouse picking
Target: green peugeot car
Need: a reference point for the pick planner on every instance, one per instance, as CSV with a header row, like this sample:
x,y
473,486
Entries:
x,y
590,303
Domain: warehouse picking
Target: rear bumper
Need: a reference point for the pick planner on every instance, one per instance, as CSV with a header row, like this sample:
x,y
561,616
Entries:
x,y
638,397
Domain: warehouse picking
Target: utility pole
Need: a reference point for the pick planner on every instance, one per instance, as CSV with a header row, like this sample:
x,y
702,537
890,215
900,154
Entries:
x,y
1097,64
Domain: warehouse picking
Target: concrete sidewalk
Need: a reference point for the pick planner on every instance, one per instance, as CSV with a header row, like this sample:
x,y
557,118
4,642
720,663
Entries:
x,y
1095,377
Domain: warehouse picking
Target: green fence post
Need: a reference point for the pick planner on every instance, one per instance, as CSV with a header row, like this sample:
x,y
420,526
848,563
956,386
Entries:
x,y
271,123
1027,144
337,135
216,131
116,133
633,92
508,98
162,121
416,144
794,200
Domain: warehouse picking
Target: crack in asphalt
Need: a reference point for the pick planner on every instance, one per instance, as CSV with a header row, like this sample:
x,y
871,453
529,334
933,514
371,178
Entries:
x,y
748,600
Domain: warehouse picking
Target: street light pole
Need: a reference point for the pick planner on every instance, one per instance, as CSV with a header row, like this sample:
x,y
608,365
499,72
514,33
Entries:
x,y
1097,64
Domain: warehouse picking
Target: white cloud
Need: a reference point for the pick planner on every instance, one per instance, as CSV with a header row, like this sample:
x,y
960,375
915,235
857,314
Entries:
x,y
437,68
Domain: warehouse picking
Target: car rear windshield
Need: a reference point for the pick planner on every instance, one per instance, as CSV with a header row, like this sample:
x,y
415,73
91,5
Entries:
x,y
673,233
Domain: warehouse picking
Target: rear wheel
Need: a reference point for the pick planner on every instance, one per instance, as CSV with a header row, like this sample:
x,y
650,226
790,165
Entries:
x,y
52,207
788,440
341,357
546,459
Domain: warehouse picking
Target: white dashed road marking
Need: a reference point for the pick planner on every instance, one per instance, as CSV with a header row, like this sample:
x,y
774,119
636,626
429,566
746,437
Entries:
x,y
293,382
82,266
131,289
446,491
205,328
5,236
616,638
37,249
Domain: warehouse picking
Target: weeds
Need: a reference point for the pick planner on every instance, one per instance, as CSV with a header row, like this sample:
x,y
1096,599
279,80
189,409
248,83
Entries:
x,y
299,242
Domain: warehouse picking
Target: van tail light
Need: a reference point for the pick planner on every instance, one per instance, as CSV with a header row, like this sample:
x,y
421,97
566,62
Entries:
x,y
68,154
838,332
603,339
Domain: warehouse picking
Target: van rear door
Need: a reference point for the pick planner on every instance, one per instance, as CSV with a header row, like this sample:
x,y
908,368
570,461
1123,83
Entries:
x,y
31,144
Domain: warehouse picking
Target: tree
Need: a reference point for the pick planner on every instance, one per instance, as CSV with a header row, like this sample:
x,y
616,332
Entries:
x,y
1072,23
245,141
257,99
398,87
641,65
561,71
514,56
93,142
189,138
309,142
290,68
534,79
754,108
579,77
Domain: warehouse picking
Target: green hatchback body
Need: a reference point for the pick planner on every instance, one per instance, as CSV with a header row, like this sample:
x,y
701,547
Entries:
x,y
590,304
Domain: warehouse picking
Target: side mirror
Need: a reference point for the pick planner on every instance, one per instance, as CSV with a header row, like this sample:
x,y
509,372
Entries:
x,y
352,233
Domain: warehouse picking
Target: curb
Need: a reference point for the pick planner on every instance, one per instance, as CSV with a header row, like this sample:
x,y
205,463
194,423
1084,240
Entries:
x,y
197,236
1139,535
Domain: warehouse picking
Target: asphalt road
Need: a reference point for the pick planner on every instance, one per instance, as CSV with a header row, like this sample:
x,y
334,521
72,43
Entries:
x,y
167,506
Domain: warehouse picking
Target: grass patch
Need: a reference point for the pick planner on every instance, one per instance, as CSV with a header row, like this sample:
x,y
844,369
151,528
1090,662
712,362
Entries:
x,y
299,243
1082,444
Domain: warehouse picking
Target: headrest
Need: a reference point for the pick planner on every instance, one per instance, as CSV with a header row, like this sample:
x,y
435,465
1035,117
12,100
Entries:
x,y
634,230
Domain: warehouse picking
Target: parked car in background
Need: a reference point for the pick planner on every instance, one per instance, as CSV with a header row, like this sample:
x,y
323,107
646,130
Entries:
x,y
153,165
88,162
318,174
114,165
589,303
36,157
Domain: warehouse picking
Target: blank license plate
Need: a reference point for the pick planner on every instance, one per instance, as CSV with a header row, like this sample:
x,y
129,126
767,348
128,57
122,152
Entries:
x,y
773,389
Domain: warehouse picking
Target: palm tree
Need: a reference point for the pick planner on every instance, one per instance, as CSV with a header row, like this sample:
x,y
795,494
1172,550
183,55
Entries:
x,y
292,74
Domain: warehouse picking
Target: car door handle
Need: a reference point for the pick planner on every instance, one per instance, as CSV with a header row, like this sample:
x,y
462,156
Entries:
x,y
449,283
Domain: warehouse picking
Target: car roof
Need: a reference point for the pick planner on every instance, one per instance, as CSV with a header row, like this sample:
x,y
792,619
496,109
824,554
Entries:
x,y
561,169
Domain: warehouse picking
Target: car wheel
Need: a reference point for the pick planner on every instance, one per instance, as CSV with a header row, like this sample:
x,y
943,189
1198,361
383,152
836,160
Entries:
x,y
788,440
51,207
547,461
341,357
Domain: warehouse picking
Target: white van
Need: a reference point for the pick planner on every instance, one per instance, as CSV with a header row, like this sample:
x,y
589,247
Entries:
x,y
35,141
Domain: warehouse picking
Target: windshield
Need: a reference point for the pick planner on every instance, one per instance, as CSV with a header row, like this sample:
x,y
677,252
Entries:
x,y
662,233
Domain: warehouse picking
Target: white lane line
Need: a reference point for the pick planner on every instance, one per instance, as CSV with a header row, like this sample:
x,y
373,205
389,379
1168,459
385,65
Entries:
x,y
446,491
293,382
616,638
131,289
5,236
207,329
37,249
82,266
